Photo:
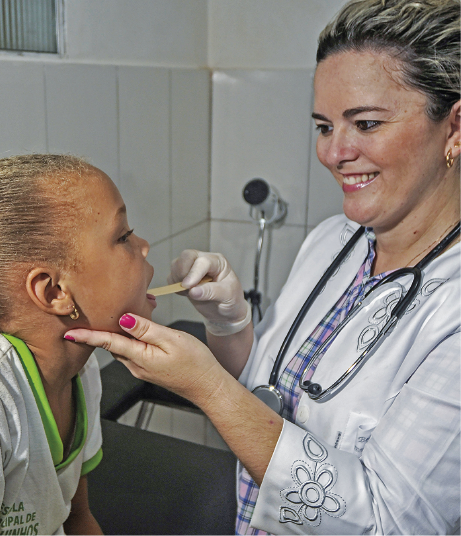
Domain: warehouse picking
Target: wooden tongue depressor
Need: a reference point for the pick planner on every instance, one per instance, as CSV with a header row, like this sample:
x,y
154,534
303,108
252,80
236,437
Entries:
x,y
175,287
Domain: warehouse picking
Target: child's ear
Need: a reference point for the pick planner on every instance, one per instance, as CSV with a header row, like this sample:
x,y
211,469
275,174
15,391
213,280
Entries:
x,y
44,290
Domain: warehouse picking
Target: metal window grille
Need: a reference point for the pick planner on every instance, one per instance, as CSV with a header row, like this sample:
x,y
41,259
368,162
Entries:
x,y
29,25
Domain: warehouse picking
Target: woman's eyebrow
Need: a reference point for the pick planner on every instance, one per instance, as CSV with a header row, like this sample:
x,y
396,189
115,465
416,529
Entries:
x,y
361,109
351,112
320,117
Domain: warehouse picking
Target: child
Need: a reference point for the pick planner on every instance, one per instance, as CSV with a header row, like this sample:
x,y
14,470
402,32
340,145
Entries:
x,y
67,259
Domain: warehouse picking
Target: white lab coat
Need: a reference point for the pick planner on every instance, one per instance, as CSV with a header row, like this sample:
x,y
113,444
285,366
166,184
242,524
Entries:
x,y
383,456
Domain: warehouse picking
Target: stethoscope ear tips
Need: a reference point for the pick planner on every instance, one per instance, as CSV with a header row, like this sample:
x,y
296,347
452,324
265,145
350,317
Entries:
x,y
314,389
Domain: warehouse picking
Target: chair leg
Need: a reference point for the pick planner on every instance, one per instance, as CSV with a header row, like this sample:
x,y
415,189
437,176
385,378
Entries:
x,y
145,415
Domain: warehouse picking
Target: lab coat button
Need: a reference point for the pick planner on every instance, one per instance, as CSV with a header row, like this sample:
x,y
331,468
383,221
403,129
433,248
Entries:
x,y
303,414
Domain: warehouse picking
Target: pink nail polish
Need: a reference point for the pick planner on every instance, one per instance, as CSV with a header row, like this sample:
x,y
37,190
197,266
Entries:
x,y
69,338
127,321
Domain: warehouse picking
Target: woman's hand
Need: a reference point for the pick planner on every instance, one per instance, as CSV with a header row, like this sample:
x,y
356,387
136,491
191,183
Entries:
x,y
182,364
172,359
227,315
221,301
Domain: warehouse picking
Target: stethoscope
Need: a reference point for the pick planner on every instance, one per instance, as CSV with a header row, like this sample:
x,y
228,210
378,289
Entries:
x,y
271,396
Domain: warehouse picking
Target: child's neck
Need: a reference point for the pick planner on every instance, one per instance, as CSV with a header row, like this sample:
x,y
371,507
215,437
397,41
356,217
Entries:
x,y
58,361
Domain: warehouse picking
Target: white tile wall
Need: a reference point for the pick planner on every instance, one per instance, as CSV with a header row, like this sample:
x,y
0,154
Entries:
x,y
190,143
237,241
144,126
22,109
158,32
261,125
197,237
81,115
164,155
259,34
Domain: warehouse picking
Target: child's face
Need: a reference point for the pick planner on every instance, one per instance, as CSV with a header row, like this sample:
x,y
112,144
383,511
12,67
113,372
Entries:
x,y
113,274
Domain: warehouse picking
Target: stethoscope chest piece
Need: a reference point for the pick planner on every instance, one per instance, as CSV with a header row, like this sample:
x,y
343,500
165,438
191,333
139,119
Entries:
x,y
270,396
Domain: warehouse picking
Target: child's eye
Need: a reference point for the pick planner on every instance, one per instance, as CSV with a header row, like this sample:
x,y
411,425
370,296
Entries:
x,y
324,129
125,237
367,125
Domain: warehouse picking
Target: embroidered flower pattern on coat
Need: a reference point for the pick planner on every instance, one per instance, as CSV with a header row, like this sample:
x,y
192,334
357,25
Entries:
x,y
312,495
426,290
378,320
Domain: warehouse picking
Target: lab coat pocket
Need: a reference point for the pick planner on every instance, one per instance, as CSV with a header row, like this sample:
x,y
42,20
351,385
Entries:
x,y
357,432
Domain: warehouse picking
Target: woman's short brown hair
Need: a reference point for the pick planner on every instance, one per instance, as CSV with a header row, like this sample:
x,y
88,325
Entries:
x,y
423,35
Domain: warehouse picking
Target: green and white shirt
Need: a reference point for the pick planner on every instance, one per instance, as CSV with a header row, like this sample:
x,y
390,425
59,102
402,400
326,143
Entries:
x,y
36,483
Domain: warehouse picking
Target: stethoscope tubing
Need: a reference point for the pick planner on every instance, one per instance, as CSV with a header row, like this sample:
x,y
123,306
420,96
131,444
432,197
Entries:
x,y
454,233
313,389
397,312
310,300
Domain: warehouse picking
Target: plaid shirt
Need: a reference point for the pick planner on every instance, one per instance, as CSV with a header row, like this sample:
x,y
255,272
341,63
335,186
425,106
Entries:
x,y
288,383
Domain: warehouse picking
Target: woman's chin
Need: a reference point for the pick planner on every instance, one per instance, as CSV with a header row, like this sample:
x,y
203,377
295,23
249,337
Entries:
x,y
358,213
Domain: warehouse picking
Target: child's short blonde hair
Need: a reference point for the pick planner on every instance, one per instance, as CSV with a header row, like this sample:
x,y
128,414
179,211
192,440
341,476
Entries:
x,y
38,215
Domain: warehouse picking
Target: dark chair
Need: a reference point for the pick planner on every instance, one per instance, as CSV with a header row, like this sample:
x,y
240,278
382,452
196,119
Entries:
x,y
149,483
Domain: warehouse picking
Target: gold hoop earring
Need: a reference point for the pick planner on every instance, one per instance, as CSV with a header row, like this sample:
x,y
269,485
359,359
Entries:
x,y
74,314
449,159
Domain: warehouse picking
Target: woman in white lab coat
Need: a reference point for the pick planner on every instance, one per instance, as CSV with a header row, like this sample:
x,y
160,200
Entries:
x,y
382,455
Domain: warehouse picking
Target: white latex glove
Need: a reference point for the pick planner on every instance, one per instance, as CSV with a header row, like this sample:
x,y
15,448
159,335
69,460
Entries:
x,y
221,302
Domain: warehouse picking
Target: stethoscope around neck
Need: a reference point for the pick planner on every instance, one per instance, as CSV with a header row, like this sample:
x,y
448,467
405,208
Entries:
x,y
271,396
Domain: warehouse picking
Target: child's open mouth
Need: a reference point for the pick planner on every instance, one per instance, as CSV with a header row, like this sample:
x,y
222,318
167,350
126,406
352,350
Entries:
x,y
152,299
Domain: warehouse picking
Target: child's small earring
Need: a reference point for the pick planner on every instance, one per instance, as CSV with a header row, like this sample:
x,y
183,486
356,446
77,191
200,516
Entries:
x,y
74,314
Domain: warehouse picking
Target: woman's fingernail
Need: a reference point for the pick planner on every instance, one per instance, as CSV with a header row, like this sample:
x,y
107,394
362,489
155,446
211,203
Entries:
x,y
127,321
69,338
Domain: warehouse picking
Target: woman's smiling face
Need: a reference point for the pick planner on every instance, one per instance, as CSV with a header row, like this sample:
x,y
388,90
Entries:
x,y
113,274
376,139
